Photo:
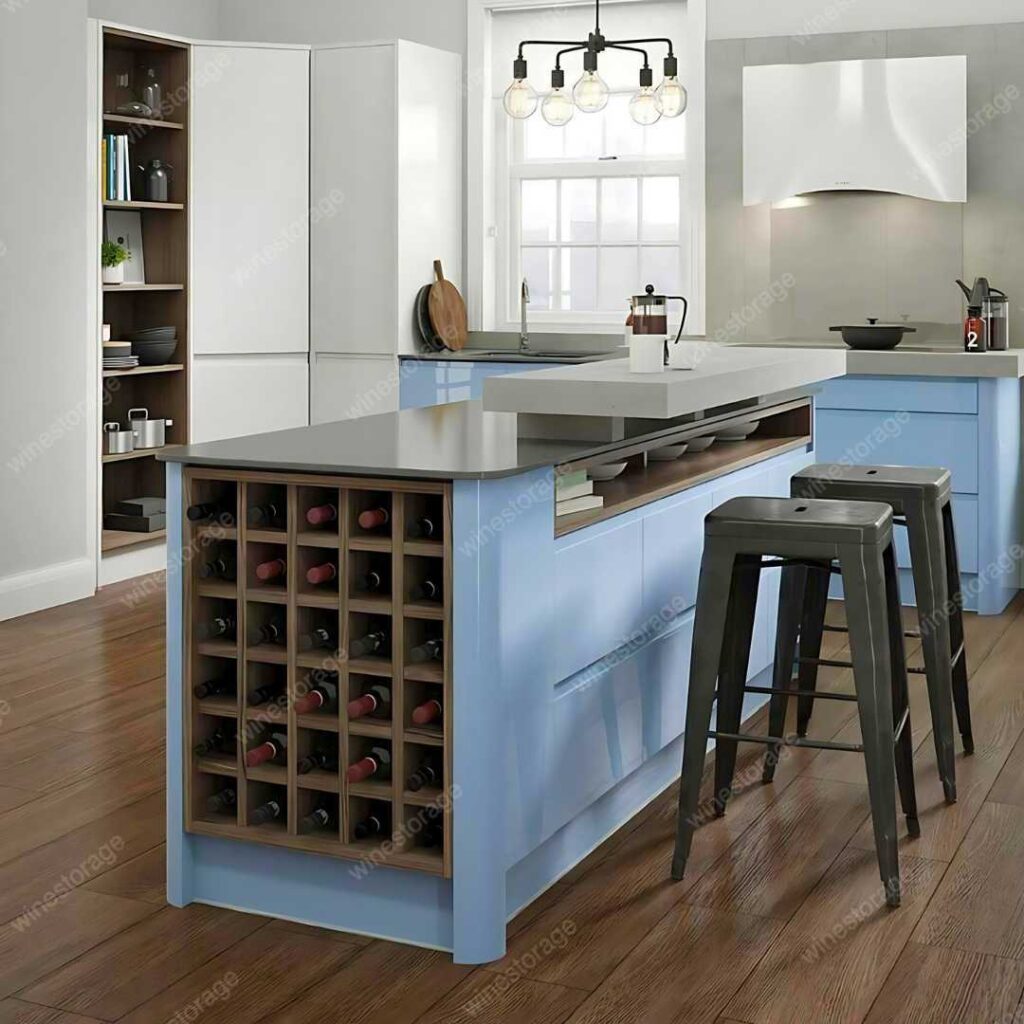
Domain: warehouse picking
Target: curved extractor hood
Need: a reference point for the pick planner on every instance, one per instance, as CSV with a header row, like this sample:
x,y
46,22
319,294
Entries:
x,y
896,125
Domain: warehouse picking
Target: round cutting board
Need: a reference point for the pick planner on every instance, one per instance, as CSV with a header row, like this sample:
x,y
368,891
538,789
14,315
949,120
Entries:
x,y
448,312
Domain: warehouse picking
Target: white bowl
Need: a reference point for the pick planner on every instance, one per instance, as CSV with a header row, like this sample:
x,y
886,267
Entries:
x,y
609,471
667,454
738,431
700,444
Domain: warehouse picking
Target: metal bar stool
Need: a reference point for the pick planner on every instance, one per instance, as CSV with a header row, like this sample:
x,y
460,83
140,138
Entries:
x,y
920,499
805,537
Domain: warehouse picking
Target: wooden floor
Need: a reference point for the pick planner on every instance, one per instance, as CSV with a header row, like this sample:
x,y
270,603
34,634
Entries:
x,y
780,918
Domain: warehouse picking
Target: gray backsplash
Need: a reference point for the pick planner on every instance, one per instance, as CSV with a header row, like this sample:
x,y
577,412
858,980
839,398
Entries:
x,y
793,271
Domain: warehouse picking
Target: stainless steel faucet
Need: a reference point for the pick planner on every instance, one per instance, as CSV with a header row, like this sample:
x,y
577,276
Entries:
x,y
524,301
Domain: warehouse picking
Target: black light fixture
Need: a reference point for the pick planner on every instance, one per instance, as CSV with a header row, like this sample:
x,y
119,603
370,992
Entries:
x,y
590,94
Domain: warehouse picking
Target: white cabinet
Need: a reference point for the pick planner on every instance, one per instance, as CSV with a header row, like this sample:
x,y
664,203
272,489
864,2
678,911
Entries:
x,y
344,387
250,199
248,394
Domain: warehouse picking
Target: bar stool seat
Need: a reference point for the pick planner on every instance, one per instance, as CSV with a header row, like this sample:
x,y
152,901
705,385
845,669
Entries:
x,y
920,498
799,535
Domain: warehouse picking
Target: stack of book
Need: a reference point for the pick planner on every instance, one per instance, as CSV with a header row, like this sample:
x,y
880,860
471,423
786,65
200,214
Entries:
x,y
117,175
574,492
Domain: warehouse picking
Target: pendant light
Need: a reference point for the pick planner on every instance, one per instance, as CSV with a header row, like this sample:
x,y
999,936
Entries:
x,y
557,108
670,95
590,92
520,99
643,107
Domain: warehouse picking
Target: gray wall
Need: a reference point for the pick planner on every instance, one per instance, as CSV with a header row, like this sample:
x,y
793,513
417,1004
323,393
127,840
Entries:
x,y
854,255
197,19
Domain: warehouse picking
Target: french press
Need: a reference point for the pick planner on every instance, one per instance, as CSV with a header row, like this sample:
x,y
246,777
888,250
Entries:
x,y
650,315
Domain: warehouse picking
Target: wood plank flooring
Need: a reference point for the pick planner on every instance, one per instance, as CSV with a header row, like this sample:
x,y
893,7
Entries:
x,y
780,917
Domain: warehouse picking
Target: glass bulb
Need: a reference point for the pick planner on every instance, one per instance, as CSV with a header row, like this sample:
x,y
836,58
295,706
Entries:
x,y
557,108
643,107
670,97
590,93
520,99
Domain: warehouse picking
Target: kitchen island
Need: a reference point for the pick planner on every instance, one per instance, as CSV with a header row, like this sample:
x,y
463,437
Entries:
x,y
556,648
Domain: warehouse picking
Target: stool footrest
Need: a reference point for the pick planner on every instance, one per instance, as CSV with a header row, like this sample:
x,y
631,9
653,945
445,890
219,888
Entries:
x,y
901,724
782,741
826,662
914,634
809,694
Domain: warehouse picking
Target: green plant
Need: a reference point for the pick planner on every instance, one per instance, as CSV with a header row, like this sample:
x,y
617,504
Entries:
x,y
114,254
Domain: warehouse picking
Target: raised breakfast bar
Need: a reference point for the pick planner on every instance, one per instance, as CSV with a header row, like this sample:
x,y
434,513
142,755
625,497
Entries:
x,y
422,697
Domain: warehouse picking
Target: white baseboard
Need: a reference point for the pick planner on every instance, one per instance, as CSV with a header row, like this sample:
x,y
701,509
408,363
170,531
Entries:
x,y
131,562
33,591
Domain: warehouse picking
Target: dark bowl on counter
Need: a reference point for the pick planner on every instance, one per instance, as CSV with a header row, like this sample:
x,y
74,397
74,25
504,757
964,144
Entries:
x,y
873,336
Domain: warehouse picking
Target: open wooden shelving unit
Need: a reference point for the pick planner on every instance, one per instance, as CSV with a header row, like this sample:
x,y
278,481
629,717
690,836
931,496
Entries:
x,y
163,299
297,607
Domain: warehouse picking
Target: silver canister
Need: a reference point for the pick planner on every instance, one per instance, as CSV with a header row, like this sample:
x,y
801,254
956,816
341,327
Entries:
x,y
117,441
148,433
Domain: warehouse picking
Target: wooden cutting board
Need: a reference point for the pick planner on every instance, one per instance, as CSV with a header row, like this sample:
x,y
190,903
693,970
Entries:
x,y
448,312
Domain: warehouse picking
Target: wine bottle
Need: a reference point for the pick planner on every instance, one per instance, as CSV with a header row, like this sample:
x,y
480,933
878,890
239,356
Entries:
x,y
271,570
428,712
375,702
213,744
432,834
214,688
318,820
322,695
373,581
429,650
424,527
320,515
374,518
374,824
377,764
324,573
376,642
269,811
273,749
428,590
268,633
206,510
265,694
322,759
221,626
429,773
320,637
267,514
222,567
222,802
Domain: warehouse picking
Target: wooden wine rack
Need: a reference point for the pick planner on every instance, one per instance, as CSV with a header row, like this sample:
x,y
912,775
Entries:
x,y
298,606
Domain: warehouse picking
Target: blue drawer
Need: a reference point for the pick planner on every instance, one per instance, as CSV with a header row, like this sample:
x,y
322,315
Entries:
x,y
912,394
965,522
673,544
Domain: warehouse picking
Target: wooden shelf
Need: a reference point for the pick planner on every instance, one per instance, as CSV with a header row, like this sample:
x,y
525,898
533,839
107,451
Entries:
x,y
427,672
218,648
141,122
220,707
371,790
319,780
370,605
374,728
424,610
139,453
429,796
429,737
126,288
267,655
318,722
371,667
139,204
381,544
268,536
223,589
310,600
275,774
116,540
223,765
426,548
144,371
317,539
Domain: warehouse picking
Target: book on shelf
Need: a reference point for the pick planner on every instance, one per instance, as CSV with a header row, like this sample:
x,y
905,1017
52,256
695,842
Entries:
x,y
117,174
583,504
580,490
565,482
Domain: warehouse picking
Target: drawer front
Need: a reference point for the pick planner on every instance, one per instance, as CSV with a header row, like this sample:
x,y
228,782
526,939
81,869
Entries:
x,y
912,394
673,543
965,522
921,439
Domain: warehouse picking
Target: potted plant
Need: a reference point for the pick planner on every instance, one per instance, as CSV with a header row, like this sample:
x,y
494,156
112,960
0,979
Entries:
x,y
114,257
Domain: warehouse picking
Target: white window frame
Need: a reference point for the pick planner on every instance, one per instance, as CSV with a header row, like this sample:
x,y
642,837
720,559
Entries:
x,y
488,245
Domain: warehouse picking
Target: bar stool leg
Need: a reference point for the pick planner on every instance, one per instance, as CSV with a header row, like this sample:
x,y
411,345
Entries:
x,y
926,535
705,657
868,621
791,600
901,696
811,629
961,697
732,672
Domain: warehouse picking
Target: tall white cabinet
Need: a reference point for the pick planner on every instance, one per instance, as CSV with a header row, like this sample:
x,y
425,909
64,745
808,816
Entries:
x,y
387,137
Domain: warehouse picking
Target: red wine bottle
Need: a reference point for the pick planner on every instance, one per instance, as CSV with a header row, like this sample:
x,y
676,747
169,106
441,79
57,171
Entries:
x,y
213,744
429,650
214,688
428,590
429,773
207,510
221,626
374,518
322,759
376,642
267,514
376,764
373,581
222,567
432,833
320,515
323,695
423,527
223,801
321,637
265,694
271,570
375,703
270,811
268,633
319,820
374,824
273,749
324,573
428,712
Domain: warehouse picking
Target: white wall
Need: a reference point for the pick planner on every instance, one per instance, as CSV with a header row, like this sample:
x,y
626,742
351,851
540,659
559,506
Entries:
x,y
744,19
197,19
44,385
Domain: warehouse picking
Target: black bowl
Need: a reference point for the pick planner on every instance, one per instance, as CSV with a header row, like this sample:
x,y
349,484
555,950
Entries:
x,y
154,353
873,337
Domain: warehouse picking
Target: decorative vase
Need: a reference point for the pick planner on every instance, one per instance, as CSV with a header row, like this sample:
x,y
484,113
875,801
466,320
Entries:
x,y
114,275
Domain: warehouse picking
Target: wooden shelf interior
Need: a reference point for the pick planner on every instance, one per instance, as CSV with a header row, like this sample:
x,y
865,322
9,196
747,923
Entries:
x,y
163,300
373,585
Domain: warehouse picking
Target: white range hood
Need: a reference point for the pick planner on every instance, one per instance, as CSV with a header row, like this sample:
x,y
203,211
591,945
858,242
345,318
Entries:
x,y
895,125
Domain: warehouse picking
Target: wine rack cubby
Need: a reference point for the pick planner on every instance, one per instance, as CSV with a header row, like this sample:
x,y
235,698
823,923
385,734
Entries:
x,y
305,595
